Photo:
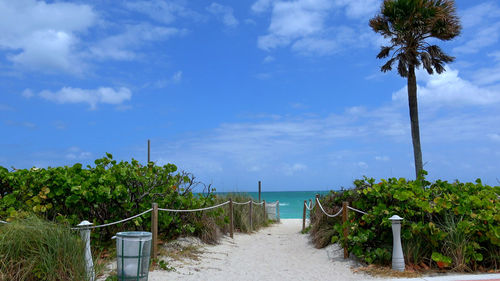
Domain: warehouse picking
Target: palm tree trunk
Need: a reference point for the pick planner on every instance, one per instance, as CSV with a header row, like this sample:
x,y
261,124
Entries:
x,y
415,130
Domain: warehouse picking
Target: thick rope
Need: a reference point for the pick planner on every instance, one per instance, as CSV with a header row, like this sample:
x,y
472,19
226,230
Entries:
x,y
356,210
3,221
255,203
194,210
112,223
328,215
309,207
243,203
271,204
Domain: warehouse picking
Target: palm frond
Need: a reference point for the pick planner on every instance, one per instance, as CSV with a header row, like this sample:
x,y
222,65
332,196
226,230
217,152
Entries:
x,y
388,65
403,68
384,52
426,61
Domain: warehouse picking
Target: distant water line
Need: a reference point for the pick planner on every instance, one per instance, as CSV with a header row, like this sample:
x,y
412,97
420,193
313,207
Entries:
x,y
291,202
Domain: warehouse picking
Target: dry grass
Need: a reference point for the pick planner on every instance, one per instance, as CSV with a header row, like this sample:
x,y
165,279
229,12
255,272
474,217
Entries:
x,y
191,252
384,271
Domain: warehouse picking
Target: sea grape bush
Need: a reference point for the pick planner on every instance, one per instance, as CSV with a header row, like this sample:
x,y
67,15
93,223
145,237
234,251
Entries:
x,y
107,192
449,225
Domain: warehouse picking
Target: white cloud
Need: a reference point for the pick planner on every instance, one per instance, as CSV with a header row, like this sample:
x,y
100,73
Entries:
x,y
27,93
290,170
224,13
362,165
449,89
304,26
174,79
123,46
25,124
485,36
382,158
268,59
102,95
163,11
480,27
76,153
359,8
43,36
261,6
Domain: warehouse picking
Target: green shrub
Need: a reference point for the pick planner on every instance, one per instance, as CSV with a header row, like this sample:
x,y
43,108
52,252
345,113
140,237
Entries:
x,y
32,249
108,192
455,221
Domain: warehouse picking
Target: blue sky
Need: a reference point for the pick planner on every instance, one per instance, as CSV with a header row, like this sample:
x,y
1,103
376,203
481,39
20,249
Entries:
x,y
287,92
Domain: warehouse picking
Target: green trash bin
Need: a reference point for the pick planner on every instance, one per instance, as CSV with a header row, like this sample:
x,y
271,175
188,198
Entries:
x,y
133,252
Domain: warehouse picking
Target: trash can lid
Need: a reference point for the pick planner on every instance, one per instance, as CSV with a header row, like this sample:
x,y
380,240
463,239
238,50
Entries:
x,y
134,234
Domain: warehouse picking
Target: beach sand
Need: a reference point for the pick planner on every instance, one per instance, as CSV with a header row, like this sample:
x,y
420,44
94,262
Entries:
x,y
278,252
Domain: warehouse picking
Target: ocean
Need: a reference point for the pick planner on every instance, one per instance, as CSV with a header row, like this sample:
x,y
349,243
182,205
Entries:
x,y
291,202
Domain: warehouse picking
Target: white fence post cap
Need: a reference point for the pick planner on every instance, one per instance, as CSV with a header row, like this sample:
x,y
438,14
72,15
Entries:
x,y
85,223
396,218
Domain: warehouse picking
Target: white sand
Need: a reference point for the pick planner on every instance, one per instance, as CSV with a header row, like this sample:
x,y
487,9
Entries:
x,y
279,252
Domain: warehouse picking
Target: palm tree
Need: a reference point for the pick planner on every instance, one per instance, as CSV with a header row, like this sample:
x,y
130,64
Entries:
x,y
408,24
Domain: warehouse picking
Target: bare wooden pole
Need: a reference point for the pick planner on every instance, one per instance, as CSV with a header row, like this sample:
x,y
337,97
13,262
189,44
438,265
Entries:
x,y
259,190
345,211
250,215
154,230
304,217
149,151
231,224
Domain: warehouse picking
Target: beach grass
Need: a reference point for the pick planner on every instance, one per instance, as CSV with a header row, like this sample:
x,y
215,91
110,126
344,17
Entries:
x,y
35,249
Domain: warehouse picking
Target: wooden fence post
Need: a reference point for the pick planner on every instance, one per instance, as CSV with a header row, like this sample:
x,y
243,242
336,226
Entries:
x,y
316,200
278,209
250,215
304,217
345,211
265,211
231,225
310,211
154,230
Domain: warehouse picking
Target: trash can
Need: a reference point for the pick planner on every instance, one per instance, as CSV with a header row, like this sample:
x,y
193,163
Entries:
x,y
133,251
271,211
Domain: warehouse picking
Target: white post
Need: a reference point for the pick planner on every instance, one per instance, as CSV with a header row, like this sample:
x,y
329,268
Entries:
x,y
278,209
85,234
398,261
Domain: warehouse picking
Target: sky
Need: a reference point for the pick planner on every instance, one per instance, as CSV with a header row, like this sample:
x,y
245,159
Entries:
x,y
286,92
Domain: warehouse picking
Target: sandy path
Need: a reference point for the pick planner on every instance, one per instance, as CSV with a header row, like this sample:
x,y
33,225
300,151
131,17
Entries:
x,y
278,252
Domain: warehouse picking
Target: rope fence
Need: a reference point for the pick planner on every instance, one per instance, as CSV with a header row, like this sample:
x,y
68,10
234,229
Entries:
x,y
85,227
343,210
196,210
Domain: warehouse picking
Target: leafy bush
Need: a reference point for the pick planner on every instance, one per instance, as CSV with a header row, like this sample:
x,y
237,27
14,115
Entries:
x,y
454,225
32,249
108,192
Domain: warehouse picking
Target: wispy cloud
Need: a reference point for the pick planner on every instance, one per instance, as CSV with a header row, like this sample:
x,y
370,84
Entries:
x,y
224,13
163,11
304,25
480,27
92,97
174,79
125,45
24,124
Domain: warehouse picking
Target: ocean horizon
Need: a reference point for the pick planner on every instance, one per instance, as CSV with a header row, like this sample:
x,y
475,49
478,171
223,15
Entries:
x,y
291,202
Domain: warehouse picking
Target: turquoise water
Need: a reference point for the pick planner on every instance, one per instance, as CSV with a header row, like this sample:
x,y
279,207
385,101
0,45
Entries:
x,y
291,202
